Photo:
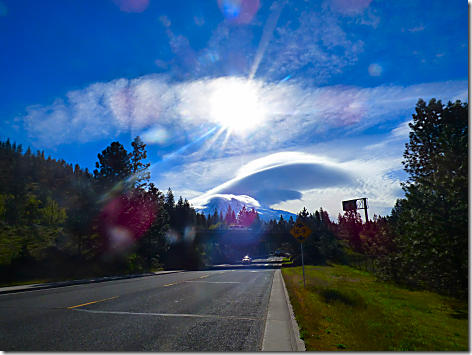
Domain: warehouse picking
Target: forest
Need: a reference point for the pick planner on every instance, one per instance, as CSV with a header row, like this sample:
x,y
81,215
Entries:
x,y
60,221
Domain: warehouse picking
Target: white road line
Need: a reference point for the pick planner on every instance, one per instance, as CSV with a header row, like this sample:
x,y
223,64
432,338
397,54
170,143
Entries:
x,y
217,282
165,314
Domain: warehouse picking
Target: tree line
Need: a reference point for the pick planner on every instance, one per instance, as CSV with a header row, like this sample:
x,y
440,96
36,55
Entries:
x,y
57,216
424,241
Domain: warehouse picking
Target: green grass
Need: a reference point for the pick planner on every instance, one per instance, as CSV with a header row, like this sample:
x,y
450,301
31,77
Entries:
x,y
342,308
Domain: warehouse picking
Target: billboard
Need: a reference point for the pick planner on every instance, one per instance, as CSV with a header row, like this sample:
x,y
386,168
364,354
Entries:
x,y
350,205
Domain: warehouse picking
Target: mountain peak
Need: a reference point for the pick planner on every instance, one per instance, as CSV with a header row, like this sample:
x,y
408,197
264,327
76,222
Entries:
x,y
208,204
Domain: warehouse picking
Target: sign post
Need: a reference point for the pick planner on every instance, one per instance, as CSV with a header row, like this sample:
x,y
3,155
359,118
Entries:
x,y
303,264
301,232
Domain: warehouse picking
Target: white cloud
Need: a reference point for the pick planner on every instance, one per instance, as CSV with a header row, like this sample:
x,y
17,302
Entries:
x,y
318,46
402,130
295,112
419,28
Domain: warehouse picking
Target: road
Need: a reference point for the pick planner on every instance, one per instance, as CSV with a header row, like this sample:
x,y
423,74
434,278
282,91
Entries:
x,y
189,311
269,259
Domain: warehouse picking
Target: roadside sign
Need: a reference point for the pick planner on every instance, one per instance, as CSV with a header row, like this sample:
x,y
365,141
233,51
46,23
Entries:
x,y
300,232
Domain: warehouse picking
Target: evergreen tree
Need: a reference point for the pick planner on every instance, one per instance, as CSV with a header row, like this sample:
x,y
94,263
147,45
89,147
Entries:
x,y
256,224
228,215
349,229
222,220
215,217
246,217
139,169
433,246
180,215
154,244
52,214
303,214
169,206
282,225
113,167
291,223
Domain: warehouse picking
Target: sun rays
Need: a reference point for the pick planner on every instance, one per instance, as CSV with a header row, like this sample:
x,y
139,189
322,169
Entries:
x,y
236,105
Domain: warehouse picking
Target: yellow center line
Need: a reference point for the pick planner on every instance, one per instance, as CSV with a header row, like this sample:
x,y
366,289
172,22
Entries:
x,y
204,276
80,305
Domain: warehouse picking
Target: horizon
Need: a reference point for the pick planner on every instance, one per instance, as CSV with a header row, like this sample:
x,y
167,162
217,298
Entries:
x,y
291,104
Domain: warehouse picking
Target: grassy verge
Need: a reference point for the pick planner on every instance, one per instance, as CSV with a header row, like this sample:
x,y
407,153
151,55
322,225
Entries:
x,y
342,308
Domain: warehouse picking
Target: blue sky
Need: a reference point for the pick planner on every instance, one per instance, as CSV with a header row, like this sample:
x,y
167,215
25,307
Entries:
x,y
292,103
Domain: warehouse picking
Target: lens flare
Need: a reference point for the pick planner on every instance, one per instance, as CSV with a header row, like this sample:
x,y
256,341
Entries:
x,y
172,237
375,69
236,105
239,11
120,239
155,135
189,235
124,220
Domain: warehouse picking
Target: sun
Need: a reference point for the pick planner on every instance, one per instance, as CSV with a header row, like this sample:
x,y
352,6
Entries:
x,y
236,106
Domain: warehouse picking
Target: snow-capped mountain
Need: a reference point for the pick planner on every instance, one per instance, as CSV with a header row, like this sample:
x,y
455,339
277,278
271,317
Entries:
x,y
207,205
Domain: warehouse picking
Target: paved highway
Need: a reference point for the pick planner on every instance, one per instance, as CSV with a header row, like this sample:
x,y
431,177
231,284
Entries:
x,y
189,311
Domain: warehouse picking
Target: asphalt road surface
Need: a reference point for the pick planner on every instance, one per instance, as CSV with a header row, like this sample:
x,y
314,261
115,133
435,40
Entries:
x,y
190,311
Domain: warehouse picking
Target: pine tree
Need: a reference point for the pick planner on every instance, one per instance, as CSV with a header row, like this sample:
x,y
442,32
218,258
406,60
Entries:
x,y
140,170
256,224
291,223
180,215
222,220
228,216
303,214
52,214
434,244
113,167
215,218
282,224
349,228
169,206
154,244
242,216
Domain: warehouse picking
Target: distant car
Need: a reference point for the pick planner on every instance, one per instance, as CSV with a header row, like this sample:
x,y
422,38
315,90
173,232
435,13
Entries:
x,y
247,260
237,227
281,253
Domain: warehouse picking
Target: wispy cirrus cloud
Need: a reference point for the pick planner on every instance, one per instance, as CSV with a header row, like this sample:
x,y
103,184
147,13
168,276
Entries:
x,y
294,111
317,46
